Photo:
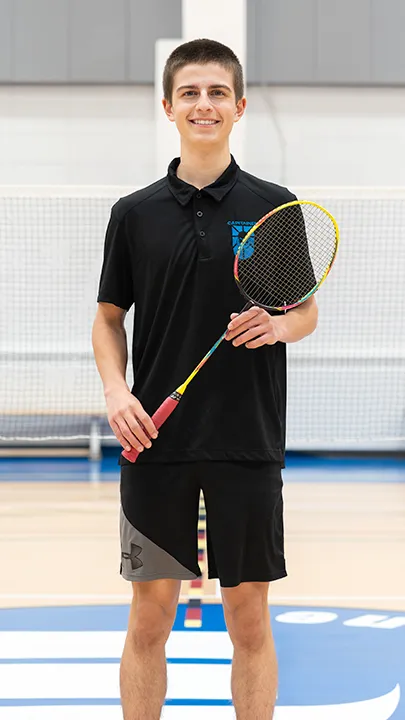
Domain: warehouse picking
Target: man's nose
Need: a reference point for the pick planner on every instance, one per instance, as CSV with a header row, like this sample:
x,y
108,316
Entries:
x,y
204,102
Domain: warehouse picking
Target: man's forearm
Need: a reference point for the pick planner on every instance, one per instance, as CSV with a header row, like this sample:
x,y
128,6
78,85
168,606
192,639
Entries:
x,y
111,354
299,322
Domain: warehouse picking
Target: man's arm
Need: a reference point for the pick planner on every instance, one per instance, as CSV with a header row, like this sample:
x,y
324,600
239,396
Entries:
x,y
299,322
110,347
255,327
130,423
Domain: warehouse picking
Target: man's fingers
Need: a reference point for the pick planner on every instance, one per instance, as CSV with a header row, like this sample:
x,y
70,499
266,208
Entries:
x,y
137,430
147,423
251,324
265,339
135,436
125,442
239,319
249,334
130,423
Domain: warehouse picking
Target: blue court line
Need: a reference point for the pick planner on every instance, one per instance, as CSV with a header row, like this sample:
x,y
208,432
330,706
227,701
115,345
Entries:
x,y
317,468
302,461
105,661
46,702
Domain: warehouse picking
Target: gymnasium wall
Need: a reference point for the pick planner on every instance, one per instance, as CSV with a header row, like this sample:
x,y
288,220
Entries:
x,y
288,41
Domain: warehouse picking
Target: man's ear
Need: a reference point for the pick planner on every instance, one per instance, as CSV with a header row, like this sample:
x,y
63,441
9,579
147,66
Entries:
x,y
168,108
240,109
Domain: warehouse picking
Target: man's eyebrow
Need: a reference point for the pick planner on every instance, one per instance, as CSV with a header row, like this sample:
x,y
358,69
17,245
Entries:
x,y
211,87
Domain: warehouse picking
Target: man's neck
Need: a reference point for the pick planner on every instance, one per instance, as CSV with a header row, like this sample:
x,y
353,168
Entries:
x,y
201,168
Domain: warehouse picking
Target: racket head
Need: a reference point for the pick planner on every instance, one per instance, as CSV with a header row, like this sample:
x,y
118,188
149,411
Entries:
x,y
287,255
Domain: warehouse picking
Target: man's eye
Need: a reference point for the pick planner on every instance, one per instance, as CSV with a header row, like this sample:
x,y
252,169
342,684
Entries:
x,y
190,92
218,92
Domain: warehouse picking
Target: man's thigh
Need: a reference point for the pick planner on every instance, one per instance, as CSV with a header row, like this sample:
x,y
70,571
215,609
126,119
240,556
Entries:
x,y
158,521
245,530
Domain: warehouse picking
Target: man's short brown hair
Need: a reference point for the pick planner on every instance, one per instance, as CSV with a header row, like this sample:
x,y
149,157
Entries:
x,y
201,52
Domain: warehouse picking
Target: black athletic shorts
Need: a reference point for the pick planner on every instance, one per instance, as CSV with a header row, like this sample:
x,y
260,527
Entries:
x,y
159,521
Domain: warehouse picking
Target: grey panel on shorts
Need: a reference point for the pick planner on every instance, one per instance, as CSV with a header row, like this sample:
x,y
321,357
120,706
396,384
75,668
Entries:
x,y
142,559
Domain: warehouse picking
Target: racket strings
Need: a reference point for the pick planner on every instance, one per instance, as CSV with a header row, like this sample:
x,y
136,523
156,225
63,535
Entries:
x,y
292,252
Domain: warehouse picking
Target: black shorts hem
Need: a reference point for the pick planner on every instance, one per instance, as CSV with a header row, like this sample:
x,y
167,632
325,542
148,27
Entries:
x,y
266,577
162,576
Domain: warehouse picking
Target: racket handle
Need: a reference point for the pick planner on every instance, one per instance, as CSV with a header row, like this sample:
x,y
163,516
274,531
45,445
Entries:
x,y
159,417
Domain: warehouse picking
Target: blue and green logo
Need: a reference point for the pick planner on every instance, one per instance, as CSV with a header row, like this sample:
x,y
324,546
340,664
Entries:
x,y
239,229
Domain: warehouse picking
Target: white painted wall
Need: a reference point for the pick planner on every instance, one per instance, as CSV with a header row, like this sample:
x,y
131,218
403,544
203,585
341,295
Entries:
x,y
296,136
225,22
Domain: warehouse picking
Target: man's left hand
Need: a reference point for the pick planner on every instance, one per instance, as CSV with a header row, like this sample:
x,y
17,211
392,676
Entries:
x,y
254,328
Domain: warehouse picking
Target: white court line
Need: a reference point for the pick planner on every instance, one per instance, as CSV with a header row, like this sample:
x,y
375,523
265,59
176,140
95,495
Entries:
x,y
84,477
23,645
380,708
101,681
61,596
300,598
100,712
57,536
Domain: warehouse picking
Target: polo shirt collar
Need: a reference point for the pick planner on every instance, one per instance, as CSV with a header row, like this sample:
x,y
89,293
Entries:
x,y
183,192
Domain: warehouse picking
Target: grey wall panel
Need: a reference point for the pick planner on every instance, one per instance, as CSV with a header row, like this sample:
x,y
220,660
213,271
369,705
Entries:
x,y
5,39
148,22
287,38
253,36
388,41
97,40
344,41
40,31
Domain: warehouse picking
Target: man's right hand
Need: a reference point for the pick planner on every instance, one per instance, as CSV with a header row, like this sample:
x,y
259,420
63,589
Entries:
x,y
129,422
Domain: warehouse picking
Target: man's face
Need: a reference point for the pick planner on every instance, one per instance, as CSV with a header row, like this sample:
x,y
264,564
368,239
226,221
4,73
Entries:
x,y
203,105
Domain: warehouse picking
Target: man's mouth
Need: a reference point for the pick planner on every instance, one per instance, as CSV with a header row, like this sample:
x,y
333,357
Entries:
x,y
204,122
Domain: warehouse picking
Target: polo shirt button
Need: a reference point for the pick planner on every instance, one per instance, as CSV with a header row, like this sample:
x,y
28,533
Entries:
x,y
202,233
198,195
199,213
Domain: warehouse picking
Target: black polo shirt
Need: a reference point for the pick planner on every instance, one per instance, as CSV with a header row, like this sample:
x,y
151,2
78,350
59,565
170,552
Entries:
x,y
169,249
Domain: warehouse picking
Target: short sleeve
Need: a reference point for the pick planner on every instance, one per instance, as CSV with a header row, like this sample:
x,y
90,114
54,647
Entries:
x,y
116,285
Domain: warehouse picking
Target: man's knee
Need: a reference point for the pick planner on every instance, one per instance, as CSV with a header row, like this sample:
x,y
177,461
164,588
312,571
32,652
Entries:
x,y
247,616
153,611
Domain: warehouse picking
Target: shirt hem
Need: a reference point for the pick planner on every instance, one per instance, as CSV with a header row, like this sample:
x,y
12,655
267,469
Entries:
x,y
259,455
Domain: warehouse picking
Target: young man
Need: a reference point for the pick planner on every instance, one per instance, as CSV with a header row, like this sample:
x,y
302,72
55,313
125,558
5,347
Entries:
x,y
169,250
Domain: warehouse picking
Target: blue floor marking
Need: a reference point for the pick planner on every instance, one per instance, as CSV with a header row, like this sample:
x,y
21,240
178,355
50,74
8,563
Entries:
x,y
319,663
299,468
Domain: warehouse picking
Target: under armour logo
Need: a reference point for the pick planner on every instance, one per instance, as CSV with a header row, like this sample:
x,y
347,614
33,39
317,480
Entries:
x,y
133,556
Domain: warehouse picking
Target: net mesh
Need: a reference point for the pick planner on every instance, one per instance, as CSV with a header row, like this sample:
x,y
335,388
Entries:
x,y
346,386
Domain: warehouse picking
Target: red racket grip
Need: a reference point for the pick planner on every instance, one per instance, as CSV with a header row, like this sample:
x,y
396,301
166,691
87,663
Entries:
x,y
159,417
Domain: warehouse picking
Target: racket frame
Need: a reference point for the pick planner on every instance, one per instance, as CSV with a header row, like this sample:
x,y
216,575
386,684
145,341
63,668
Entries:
x,y
293,203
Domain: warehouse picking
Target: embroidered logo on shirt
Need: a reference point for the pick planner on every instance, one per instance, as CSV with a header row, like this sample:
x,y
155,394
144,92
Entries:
x,y
239,229
133,556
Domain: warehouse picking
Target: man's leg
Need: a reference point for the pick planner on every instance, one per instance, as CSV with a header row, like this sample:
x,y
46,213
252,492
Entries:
x,y
254,666
158,528
143,677
245,546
